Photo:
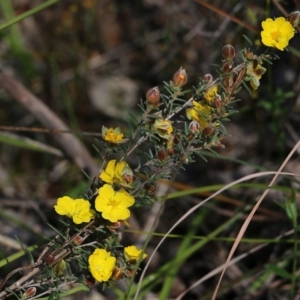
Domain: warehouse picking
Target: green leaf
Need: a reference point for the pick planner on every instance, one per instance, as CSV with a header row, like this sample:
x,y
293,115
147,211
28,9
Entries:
x,y
291,208
278,271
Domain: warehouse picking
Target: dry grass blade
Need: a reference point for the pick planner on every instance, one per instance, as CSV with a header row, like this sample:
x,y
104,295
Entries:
x,y
249,218
48,118
190,211
232,18
232,262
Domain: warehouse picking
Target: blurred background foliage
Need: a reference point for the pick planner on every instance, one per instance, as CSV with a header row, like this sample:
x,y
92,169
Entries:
x,y
92,61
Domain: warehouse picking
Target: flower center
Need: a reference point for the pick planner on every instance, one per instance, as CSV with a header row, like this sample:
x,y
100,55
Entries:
x,y
76,211
113,202
275,35
111,135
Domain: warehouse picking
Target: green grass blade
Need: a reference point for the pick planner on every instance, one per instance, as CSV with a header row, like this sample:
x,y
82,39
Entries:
x,y
5,3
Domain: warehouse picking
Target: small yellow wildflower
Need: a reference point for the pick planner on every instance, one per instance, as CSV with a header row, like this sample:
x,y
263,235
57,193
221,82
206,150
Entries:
x,y
113,204
78,209
117,173
200,112
163,128
277,33
254,72
131,253
101,264
211,93
112,135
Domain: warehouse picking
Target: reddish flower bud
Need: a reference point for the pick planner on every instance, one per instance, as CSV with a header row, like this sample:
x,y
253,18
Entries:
x,y
208,131
294,18
228,52
153,96
116,225
172,151
130,273
180,77
227,66
78,240
117,274
208,78
49,259
150,188
30,292
162,154
90,281
217,101
194,127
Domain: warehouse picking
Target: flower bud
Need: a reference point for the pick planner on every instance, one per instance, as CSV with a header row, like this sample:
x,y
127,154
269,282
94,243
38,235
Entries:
x,y
228,52
294,18
78,240
30,292
194,127
90,281
184,159
127,175
117,274
49,258
116,225
153,96
162,154
217,101
208,78
60,268
180,78
227,66
208,131
150,188
130,273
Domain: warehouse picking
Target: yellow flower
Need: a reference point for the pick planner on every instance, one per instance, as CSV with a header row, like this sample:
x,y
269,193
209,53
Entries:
x,y
131,253
163,128
113,204
254,72
78,209
277,33
211,93
200,112
117,173
101,264
113,135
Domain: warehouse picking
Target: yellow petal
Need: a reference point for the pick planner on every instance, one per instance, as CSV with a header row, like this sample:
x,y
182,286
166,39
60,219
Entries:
x,y
108,174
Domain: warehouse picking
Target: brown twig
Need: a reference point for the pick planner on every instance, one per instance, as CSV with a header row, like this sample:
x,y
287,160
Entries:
x,y
48,118
232,18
